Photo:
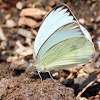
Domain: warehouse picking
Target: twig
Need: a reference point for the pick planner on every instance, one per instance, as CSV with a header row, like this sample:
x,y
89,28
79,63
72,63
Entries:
x,y
80,93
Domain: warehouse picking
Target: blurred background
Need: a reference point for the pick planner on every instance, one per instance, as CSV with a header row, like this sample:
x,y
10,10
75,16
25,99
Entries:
x,y
19,24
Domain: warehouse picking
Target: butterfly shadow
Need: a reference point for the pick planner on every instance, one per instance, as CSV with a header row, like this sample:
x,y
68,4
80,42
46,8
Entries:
x,y
44,76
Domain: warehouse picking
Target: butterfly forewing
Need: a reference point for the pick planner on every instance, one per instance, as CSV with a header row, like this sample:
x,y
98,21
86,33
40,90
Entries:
x,y
63,33
59,16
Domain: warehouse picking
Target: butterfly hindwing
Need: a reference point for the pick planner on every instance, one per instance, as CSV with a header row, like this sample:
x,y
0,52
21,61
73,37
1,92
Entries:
x,y
69,53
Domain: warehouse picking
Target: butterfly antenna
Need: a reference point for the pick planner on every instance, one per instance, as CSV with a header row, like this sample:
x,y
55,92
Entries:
x,y
52,78
22,56
26,61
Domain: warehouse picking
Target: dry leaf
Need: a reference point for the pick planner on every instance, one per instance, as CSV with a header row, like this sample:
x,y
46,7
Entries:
x,y
72,70
33,12
28,41
24,51
88,68
11,58
34,32
98,19
26,21
2,36
81,78
25,33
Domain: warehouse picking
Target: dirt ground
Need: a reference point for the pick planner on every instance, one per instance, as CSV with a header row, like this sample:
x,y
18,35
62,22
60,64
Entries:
x,y
19,24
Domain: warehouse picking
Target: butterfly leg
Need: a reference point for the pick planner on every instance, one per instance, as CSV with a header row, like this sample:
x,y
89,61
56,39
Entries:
x,y
40,78
52,78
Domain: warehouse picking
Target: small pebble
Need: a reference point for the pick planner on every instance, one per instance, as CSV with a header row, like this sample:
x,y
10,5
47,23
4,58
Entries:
x,y
7,16
19,5
62,79
10,23
95,27
92,19
98,19
82,21
98,44
55,74
33,5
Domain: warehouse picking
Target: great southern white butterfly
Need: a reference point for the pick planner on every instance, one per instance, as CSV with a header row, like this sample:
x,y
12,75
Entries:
x,y
61,41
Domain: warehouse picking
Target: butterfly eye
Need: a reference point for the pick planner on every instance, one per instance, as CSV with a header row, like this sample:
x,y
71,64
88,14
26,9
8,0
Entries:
x,y
44,67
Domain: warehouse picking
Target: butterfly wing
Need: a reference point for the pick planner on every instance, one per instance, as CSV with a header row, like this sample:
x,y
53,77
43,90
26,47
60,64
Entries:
x,y
61,41
68,53
65,32
57,17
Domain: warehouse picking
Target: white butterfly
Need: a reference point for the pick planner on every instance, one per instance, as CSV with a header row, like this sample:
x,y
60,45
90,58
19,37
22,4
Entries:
x,y
61,41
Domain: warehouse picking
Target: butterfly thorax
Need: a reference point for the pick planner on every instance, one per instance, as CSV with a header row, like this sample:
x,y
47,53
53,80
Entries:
x,y
40,68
